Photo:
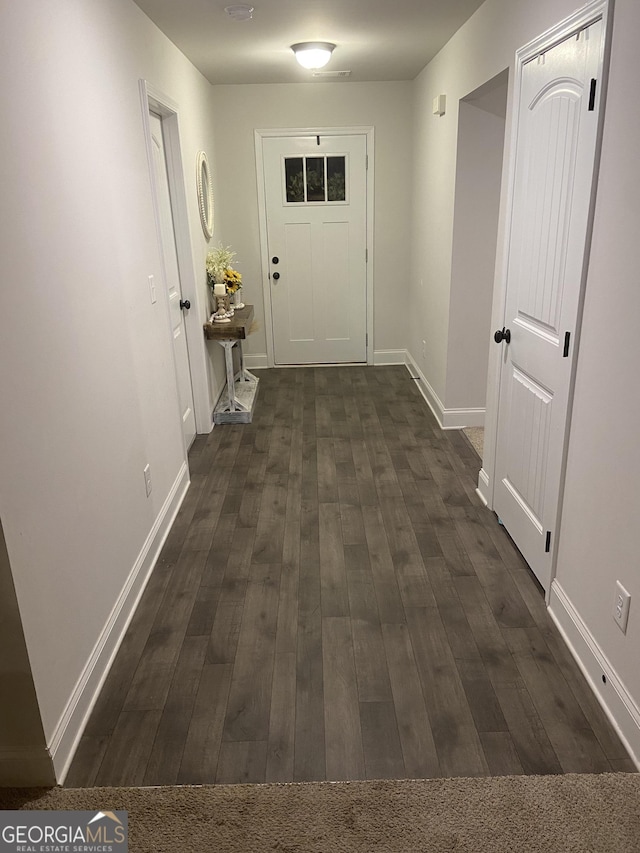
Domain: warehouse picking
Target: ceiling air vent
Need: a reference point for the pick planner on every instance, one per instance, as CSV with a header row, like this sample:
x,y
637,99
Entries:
x,y
239,12
328,74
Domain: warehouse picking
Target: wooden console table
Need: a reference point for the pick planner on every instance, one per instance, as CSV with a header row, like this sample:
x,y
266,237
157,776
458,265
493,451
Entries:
x,y
236,405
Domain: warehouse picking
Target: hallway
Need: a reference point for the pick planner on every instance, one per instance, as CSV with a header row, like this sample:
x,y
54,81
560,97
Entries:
x,y
333,602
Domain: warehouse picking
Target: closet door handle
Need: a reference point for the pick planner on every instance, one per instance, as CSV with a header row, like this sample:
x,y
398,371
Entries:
x,y
502,335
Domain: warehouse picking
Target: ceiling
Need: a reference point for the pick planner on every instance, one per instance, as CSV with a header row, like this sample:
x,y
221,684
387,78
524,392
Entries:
x,y
375,39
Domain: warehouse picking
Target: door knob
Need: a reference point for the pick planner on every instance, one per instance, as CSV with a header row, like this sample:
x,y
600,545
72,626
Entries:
x,y
275,260
502,335
276,275
184,303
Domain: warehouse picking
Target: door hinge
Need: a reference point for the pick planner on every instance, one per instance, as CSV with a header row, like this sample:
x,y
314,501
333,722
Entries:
x,y
366,339
592,95
366,256
366,161
567,338
547,544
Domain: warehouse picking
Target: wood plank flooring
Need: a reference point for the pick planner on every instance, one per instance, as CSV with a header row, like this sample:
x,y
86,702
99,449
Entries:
x,y
333,602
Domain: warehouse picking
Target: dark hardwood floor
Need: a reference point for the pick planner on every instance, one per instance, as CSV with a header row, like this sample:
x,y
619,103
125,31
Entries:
x,y
333,602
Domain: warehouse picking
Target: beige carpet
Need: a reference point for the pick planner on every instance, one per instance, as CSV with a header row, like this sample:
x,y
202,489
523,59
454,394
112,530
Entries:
x,y
519,814
476,438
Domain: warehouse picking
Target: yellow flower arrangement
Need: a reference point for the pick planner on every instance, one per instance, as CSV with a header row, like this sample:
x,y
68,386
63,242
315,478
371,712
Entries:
x,y
220,271
232,280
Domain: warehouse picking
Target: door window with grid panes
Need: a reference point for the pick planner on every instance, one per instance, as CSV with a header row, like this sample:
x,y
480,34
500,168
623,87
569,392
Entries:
x,y
312,180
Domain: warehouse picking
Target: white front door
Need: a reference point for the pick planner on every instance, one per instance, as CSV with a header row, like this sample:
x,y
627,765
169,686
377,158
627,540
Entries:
x,y
557,123
315,192
172,278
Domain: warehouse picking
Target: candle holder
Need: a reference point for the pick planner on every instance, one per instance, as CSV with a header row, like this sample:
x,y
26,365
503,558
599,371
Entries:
x,y
222,315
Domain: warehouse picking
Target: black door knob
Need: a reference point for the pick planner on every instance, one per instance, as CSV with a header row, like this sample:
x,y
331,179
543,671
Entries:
x,y
276,275
184,303
275,260
502,335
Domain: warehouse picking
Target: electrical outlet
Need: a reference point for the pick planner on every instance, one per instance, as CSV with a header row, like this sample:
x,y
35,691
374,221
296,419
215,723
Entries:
x,y
621,606
152,289
147,478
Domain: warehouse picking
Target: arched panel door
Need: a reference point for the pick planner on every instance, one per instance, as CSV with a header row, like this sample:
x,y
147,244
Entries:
x,y
557,126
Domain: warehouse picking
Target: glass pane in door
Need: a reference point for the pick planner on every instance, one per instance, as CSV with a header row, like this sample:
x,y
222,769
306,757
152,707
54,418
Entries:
x,y
336,179
315,179
294,179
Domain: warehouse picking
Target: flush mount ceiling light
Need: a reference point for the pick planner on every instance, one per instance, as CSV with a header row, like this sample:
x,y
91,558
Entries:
x,y
313,54
239,12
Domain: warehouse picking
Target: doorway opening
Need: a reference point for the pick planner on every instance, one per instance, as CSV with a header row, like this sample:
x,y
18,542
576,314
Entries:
x,y
481,134
194,358
177,306
315,198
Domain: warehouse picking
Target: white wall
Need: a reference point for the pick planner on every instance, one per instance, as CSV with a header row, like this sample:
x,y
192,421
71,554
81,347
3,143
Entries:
x,y
385,106
481,49
86,374
481,130
599,530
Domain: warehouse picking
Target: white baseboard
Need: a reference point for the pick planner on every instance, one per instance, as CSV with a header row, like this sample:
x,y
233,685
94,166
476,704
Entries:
x,y
616,701
389,356
256,361
459,418
483,487
259,361
433,401
76,714
447,418
26,768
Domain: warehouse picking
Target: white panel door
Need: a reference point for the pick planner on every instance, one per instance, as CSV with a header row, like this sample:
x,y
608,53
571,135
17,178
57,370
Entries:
x,y
555,155
315,191
172,276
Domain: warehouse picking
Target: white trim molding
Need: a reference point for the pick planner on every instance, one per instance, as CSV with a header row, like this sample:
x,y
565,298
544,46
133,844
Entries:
x,y
484,488
616,701
390,356
76,714
256,361
26,768
447,418
460,418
